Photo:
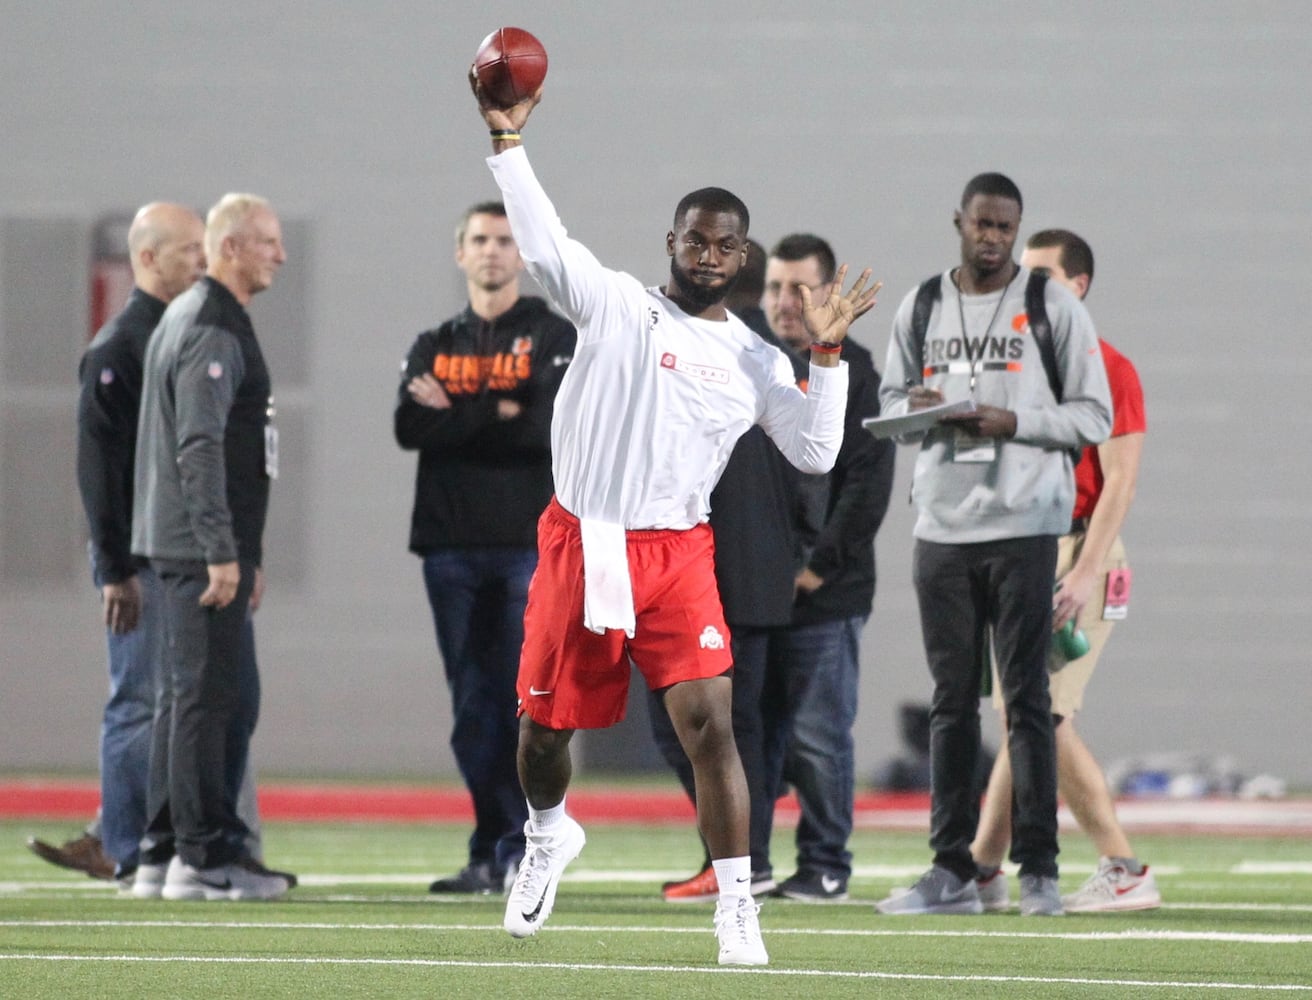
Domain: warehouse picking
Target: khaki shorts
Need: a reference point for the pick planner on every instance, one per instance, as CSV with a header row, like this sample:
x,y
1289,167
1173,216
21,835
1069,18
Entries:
x,y
1068,679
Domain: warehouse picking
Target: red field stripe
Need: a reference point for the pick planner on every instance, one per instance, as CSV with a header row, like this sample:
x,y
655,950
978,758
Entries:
x,y
409,803
58,800
590,802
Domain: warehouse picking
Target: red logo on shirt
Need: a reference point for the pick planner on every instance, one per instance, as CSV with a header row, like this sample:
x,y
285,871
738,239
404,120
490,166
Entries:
x,y
693,369
1020,322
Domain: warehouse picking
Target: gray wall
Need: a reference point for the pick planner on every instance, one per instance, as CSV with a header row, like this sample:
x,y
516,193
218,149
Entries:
x,y
1175,136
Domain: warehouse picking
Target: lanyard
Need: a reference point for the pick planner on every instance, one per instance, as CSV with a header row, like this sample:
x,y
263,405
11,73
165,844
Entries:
x,y
965,335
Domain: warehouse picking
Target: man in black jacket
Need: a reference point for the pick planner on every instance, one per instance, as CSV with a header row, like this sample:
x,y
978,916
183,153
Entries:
x,y
811,699
475,401
206,452
166,253
795,665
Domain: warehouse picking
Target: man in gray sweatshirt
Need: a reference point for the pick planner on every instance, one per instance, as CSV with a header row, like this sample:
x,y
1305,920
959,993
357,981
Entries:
x,y
206,451
994,490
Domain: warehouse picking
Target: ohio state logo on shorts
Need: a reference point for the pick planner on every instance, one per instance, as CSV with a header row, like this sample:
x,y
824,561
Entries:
x,y
711,638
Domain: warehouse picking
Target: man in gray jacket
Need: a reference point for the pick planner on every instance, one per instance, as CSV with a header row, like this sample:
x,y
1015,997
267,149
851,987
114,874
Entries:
x,y
994,490
206,451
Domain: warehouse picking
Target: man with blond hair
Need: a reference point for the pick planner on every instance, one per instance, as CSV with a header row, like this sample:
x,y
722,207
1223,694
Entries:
x,y
207,452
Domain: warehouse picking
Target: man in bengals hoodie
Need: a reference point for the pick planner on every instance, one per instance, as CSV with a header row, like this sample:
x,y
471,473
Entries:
x,y
475,401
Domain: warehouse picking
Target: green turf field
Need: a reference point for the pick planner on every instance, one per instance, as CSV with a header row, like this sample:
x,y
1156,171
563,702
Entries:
x,y
1237,922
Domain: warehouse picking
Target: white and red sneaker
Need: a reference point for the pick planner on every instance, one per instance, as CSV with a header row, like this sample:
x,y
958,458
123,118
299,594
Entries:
x,y
1112,888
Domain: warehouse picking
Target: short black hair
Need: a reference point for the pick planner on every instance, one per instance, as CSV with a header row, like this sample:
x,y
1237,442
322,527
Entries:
x,y
497,208
799,246
1076,254
712,199
749,285
994,184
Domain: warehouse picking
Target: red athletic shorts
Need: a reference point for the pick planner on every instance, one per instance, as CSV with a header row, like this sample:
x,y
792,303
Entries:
x,y
571,678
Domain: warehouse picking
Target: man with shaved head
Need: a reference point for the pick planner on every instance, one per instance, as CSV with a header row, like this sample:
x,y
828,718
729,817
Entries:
x,y
165,246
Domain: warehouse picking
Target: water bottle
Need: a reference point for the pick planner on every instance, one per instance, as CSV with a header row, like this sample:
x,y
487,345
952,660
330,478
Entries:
x,y
1070,641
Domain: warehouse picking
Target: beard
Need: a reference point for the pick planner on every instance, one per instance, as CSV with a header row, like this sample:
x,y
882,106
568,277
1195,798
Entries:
x,y
701,296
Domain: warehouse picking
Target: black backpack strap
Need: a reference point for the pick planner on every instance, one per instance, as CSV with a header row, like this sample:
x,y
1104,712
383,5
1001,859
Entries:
x,y
1041,330
1037,312
929,292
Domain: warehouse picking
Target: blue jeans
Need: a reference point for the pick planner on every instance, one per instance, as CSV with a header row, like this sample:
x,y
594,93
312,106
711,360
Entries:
x,y
812,704
477,597
134,660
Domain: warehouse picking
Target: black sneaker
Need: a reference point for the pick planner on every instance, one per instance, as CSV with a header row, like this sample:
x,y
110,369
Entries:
x,y
259,868
813,887
477,879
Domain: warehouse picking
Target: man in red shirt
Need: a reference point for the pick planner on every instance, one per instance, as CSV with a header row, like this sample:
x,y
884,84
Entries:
x,y
1093,588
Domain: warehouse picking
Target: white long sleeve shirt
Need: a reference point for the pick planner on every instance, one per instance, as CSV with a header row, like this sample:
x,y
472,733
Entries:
x,y
655,399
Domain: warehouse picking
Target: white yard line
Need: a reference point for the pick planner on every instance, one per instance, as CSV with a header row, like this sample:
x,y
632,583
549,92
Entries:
x,y
1143,984
1126,934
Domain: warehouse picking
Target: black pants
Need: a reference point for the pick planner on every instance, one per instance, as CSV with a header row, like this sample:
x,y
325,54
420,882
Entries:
x,y
759,745
200,703
966,591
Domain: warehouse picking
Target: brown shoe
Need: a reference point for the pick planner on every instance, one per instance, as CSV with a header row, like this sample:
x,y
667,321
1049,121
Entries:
x,y
85,854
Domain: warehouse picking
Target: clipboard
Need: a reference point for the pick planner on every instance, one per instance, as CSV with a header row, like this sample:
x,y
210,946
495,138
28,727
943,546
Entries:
x,y
918,420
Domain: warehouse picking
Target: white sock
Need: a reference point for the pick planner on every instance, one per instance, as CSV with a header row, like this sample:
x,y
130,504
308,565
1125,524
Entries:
x,y
734,876
545,819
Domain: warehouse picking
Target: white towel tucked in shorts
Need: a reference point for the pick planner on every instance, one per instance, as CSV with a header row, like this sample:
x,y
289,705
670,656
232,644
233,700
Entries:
x,y
607,589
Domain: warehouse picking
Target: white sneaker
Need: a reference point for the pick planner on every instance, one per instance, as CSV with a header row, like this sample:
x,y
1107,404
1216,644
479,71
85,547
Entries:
x,y
534,892
994,892
238,880
148,881
739,931
1112,888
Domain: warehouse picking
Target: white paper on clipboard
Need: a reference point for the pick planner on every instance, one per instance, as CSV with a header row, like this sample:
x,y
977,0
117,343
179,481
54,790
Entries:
x,y
917,420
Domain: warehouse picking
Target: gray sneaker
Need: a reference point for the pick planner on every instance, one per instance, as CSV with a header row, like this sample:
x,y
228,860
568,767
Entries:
x,y
1039,896
937,891
243,879
994,891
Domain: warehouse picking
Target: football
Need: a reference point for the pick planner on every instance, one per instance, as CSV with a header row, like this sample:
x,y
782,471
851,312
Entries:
x,y
510,65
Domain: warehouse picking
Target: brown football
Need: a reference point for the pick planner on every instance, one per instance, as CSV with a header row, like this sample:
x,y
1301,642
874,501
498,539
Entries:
x,y
510,65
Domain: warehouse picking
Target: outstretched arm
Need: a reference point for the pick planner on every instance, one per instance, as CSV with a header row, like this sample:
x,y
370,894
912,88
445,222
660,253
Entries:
x,y
828,321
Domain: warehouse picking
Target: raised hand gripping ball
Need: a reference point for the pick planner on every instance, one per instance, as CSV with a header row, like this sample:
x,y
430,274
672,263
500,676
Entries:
x,y
510,65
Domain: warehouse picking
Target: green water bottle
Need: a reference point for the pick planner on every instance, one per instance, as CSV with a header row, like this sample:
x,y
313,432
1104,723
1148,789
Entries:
x,y
1070,641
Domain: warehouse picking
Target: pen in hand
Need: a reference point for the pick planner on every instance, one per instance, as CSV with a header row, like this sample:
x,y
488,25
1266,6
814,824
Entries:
x,y
918,397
